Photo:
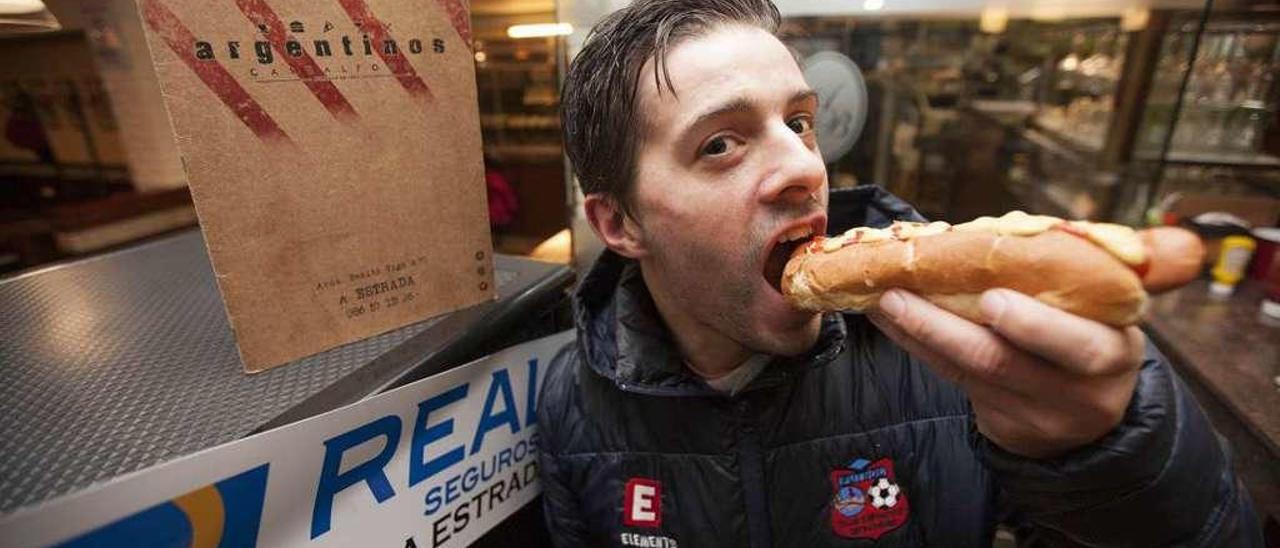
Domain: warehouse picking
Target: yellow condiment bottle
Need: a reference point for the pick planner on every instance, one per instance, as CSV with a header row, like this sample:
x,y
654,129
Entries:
x,y
1232,261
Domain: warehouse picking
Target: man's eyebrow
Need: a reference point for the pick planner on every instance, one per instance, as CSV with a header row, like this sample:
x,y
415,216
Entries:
x,y
732,106
803,95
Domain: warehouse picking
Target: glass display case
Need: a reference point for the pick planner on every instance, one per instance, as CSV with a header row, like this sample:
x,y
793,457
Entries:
x,y
1071,149
967,122
1215,83
1100,116
1227,103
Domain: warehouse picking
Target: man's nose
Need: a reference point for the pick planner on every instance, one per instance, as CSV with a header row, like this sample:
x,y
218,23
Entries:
x,y
798,172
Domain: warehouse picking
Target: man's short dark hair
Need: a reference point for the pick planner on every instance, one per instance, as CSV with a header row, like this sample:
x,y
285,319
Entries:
x,y
601,129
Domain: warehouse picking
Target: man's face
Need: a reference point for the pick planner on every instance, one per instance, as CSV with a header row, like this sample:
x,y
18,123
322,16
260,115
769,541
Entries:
x,y
728,165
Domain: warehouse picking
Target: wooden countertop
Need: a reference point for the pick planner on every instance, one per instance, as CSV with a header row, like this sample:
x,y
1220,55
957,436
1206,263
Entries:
x,y
1229,346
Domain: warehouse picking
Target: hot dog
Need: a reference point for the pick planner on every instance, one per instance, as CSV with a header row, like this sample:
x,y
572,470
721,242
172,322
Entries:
x,y
1096,270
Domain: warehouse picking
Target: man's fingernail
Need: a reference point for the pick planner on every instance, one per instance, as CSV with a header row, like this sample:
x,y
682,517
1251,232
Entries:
x,y
892,305
993,304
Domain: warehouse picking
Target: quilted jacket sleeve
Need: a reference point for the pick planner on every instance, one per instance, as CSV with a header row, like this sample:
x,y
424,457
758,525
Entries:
x,y
1161,478
559,503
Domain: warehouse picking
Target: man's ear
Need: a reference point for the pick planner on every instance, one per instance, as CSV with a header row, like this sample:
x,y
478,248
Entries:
x,y
614,227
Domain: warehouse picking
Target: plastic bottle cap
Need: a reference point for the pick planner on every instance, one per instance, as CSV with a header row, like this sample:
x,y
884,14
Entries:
x,y
1271,308
1219,289
1268,234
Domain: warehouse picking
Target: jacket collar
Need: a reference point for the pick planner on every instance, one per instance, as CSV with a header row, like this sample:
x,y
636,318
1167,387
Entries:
x,y
623,338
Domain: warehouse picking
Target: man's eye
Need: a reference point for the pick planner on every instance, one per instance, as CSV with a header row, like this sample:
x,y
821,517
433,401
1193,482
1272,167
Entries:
x,y
716,147
801,124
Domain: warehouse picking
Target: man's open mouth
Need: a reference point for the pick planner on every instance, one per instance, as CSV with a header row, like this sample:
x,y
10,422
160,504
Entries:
x,y
783,247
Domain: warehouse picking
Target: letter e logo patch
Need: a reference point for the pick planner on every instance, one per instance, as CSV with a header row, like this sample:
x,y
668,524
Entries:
x,y
642,506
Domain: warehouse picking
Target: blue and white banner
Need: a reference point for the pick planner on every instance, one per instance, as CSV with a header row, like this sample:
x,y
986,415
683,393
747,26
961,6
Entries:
x,y
435,463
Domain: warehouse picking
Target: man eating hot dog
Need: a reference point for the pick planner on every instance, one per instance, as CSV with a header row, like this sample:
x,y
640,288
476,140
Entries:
x,y
699,407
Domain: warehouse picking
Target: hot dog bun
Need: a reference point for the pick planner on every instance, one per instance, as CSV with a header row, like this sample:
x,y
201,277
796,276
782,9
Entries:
x,y
1088,269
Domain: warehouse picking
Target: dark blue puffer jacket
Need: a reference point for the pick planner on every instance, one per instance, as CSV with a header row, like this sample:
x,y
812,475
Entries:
x,y
854,442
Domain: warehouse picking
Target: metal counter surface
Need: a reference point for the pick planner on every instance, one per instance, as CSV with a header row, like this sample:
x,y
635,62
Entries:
x,y
122,361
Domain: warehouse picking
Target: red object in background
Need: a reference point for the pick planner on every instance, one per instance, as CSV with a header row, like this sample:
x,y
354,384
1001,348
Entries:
x,y
1271,304
23,130
502,198
1266,268
1272,281
1267,254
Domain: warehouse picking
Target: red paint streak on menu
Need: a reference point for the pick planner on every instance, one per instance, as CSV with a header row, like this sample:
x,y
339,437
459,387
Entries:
x,y
303,65
181,41
360,13
460,18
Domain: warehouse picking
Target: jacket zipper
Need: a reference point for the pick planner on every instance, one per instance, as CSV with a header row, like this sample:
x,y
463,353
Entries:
x,y
751,467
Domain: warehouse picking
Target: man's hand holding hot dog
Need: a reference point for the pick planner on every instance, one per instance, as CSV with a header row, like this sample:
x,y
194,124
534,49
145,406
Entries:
x,y
1042,381
1045,374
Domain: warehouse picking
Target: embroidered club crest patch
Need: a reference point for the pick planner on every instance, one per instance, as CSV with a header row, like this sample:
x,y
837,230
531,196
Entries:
x,y
867,500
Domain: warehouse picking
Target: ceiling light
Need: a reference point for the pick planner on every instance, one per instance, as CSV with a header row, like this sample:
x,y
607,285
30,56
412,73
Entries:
x,y
1134,18
23,16
20,7
872,5
994,20
1050,13
1070,63
540,30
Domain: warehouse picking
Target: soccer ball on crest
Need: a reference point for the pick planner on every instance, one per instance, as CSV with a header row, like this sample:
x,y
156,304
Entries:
x,y
884,494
